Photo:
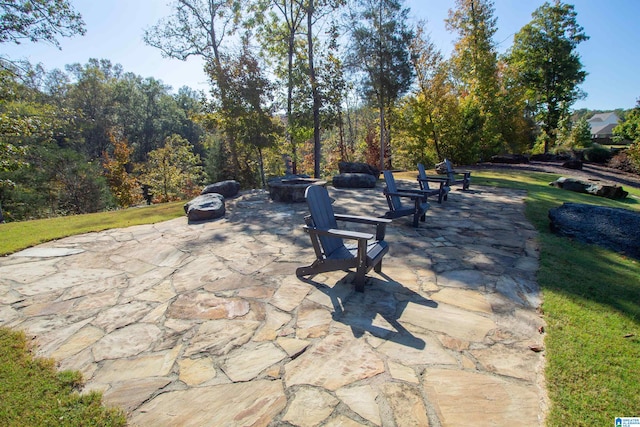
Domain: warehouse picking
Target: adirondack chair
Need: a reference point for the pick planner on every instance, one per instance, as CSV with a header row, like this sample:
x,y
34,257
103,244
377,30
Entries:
x,y
417,207
328,240
446,168
442,183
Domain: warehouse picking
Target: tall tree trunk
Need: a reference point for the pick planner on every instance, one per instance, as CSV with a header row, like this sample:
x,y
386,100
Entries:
x,y
294,154
315,93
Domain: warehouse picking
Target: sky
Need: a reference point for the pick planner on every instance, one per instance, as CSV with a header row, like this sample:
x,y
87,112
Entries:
x,y
115,29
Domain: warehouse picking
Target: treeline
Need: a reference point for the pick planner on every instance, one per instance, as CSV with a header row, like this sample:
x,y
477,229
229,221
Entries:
x,y
320,82
75,133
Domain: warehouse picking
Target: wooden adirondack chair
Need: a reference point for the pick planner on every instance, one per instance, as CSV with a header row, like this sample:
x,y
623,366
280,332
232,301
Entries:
x,y
447,169
328,240
442,183
417,207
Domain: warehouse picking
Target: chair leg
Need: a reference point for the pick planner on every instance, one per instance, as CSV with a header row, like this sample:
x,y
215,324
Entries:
x,y
378,267
361,270
416,212
359,281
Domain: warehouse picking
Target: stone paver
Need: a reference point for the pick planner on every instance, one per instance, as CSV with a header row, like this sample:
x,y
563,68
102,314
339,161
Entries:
x,y
207,324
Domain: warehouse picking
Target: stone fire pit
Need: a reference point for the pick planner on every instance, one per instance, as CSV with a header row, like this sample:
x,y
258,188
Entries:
x,y
291,190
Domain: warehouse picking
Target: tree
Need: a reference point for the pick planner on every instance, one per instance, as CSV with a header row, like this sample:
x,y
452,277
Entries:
x,y
198,28
247,116
38,20
629,130
428,107
123,185
548,65
92,95
380,45
277,35
334,92
172,170
474,64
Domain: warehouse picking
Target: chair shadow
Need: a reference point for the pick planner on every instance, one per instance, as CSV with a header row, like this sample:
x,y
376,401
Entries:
x,y
385,299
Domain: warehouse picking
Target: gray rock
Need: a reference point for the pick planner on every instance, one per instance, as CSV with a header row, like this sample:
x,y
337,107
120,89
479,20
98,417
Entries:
x,y
205,207
227,189
572,164
612,228
600,189
358,167
354,180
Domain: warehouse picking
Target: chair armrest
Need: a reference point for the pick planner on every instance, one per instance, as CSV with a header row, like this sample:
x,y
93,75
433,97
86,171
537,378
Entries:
x,y
362,219
433,179
342,234
413,194
380,223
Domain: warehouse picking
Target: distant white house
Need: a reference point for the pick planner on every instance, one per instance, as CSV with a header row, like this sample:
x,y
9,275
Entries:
x,y
602,125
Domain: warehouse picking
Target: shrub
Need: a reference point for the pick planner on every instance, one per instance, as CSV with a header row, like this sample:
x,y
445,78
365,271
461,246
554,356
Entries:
x,y
597,154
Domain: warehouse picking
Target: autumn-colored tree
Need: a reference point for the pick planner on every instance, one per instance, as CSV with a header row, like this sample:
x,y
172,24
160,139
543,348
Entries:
x,y
172,170
124,187
474,62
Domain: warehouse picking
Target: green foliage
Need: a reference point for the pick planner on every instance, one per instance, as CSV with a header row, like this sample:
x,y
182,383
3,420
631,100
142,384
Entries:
x,y
173,171
38,20
581,134
475,58
475,67
242,117
35,394
597,154
426,117
56,126
380,40
80,186
629,129
548,65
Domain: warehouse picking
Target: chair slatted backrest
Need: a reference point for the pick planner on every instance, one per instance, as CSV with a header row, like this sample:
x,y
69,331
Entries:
x,y
323,217
422,177
394,201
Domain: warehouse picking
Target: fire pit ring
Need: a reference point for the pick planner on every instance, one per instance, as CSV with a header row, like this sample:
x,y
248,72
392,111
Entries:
x,y
291,190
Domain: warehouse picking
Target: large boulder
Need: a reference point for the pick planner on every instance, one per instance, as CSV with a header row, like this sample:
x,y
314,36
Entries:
x,y
358,167
573,164
205,207
610,191
612,228
229,188
354,180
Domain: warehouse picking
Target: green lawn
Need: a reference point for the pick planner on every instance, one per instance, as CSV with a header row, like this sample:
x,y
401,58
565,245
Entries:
x,y
592,309
15,236
591,306
33,393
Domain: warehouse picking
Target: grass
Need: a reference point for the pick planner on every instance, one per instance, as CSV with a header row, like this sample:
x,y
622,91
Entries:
x,y
32,392
591,306
592,309
15,236
35,394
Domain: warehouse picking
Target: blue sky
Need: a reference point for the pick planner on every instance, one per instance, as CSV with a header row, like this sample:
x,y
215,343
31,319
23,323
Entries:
x,y
114,31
